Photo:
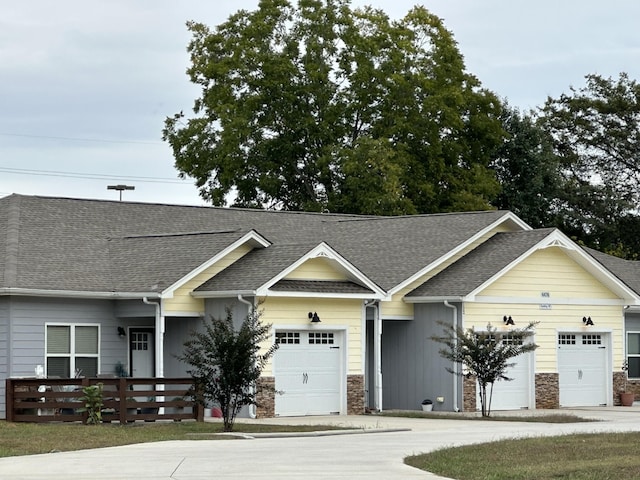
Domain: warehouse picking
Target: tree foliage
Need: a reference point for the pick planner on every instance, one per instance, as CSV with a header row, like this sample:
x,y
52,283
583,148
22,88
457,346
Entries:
x,y
484,354
225,363
528,170
596,138
321,106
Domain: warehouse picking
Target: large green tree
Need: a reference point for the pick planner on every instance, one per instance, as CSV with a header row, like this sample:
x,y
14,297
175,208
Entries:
x,y
528,170
320,106
596,138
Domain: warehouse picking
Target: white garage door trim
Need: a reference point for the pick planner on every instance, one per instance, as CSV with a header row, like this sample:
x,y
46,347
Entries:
x,y
518,393
584,368
309,371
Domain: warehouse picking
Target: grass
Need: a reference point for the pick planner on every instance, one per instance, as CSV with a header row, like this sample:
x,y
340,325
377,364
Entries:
x,y
31,438
546,418
610,456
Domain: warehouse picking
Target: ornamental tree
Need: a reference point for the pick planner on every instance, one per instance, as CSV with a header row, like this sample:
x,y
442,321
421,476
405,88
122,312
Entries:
x,y
226,363
484,354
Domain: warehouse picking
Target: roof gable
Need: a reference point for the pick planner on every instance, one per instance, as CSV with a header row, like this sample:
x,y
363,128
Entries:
x,y
490,261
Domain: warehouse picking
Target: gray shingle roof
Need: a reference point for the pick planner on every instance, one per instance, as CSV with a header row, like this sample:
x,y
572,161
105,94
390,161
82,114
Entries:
x,y
108,246
472,270
319,286
626,270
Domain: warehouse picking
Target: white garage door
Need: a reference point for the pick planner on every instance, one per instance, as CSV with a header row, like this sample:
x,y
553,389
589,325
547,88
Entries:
x,y
514,394
582,369
308,373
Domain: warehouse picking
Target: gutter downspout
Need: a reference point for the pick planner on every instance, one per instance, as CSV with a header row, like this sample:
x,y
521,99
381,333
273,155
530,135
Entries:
x,y
377,353
159,342
252,408
455,365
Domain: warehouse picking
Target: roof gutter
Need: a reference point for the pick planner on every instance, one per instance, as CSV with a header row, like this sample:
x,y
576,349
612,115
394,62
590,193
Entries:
x,y
34,292
159,337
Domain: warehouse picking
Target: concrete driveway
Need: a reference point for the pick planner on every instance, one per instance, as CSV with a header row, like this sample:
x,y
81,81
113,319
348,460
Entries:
x,y
375,450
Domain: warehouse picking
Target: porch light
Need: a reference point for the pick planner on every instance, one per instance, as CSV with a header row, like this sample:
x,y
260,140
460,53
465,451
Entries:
x,y
313,316
508,320
121,332
587,321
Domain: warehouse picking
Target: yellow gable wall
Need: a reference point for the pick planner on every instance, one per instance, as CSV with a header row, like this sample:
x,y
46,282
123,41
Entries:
x,y
398,308
182,301
280,311
572,294
317,269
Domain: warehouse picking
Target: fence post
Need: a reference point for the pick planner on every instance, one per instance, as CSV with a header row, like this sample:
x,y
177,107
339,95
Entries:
x,y
122,396
9,406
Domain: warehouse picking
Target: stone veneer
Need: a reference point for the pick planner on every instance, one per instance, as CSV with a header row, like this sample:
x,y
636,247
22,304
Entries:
x,y
621,384
469,394
266,397
547,390
355,394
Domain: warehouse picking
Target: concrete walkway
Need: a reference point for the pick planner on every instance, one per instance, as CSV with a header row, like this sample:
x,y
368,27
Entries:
x,y
375,450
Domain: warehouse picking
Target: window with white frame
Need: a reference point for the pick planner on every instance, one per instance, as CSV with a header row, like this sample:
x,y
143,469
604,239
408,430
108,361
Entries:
x,y
633,354
72,350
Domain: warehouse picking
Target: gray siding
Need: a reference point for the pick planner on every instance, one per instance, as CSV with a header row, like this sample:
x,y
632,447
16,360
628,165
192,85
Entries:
x,y
177,331
4,345
133,308
26,329
632,322
217,307
412,368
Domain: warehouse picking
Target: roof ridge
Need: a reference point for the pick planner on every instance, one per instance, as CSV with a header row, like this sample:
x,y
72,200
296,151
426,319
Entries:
x,y
179,234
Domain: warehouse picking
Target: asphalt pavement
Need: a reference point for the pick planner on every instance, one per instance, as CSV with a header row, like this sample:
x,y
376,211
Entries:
x,y
373,447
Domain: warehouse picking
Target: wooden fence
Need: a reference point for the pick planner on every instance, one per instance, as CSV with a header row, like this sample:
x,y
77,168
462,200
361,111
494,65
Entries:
x,y
125,399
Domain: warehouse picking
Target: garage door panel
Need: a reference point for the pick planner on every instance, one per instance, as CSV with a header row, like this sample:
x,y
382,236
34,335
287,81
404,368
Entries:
x,y
308,374
582,369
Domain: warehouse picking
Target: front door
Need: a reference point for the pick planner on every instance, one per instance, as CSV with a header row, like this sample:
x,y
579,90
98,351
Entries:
x,y
141,347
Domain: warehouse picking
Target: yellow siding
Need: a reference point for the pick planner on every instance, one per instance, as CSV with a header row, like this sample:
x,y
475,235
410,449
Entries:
x,y
559,318
332,312
183,302
571,291
549,270
317,269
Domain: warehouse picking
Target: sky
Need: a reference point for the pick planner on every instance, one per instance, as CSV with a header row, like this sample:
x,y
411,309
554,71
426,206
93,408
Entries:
x,y
87,84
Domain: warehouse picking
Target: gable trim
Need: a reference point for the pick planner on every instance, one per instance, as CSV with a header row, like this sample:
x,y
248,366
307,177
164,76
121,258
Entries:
x,y
578,255
325,251
509,216
253,237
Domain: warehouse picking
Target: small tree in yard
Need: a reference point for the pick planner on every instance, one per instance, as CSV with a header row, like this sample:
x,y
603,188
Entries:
x,y
226,363
484,354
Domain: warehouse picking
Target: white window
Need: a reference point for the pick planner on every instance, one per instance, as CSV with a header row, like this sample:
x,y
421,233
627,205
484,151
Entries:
x,y
72,350
633,354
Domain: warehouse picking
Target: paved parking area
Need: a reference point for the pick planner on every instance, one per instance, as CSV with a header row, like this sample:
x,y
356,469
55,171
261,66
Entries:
x,y
375,450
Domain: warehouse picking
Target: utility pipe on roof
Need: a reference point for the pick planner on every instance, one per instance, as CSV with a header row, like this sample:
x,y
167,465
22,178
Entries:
x,y
252,408
455,365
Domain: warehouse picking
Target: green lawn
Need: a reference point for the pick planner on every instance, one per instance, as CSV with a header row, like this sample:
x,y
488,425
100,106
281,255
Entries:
x,y
612,456
31,438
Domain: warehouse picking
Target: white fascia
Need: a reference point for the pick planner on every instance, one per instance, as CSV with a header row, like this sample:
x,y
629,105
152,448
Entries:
x,y
432,299
322,250
252,237
558,239
32,292
507,217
